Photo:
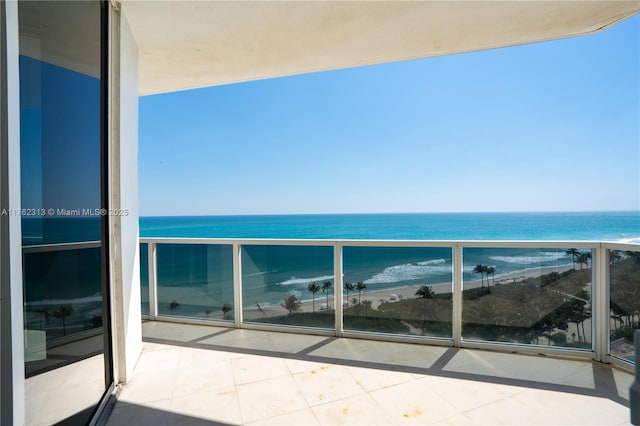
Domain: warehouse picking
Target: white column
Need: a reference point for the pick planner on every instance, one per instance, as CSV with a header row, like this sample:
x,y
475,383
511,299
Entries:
x,y
338,283
237,284
123,195
12,383
457,295
600,302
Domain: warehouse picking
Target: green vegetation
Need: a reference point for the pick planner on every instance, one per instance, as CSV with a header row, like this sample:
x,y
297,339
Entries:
x,y
326,286
482,270
291,304
62,312
173,305
537,307
574,253
226,308
552,309
348,287
425,292
360,286
313,288
625,294
302,319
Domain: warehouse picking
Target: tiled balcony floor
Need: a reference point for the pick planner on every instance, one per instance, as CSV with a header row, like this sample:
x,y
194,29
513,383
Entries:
x,y
197,375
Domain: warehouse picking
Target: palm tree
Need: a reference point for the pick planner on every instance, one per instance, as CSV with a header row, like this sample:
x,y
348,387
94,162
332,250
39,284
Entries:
x,y
491,270
425,292
313,288
366,305
326,286
226,308
291,304
479,269
62,312
583,259
574,254
173,305
360,286
349,287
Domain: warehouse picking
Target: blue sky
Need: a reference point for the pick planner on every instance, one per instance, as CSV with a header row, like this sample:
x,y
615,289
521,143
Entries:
x,y
552,126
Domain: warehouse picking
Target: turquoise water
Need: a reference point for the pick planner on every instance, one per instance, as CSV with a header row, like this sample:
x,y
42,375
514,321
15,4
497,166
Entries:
x,y
607,226
271,273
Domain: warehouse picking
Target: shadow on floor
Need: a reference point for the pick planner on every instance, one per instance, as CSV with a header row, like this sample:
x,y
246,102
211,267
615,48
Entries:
x,y
603,376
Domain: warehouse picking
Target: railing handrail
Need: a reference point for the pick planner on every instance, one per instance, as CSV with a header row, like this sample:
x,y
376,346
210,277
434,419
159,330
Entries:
x,y
398,243
37,248
600,290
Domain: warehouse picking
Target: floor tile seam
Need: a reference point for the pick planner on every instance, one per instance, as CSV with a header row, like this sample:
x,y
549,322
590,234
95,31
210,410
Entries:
x,y
363,392
287,373
432,421
298,392
304,396
238,385
212,388
278,415
355,379
388,420
464,411
346,362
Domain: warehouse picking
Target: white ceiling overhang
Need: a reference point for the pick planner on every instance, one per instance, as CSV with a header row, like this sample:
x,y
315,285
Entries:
x,y
191,44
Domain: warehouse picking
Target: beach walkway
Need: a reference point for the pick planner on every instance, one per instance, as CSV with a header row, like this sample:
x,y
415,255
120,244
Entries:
x,y
204,375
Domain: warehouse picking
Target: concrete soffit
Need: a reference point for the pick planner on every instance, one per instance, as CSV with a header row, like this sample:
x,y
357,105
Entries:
x,y
191,44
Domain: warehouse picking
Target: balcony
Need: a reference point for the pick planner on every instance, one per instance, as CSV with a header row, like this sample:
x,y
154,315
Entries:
x,y
567,298
438,354
345,332
197,375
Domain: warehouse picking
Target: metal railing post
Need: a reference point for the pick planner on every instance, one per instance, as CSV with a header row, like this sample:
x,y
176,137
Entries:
x,y
634,390
600,303
337,288
457,295
153,280
237,285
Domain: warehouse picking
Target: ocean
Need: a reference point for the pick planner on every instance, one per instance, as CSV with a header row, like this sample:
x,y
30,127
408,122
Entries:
x,y
601,226
272,273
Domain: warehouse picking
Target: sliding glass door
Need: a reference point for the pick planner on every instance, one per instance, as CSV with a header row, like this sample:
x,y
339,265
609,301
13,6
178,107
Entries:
x,y
62,140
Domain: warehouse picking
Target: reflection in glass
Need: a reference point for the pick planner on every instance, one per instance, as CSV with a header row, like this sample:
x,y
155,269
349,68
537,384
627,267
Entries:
x,y
64,291
624,302
398,290
528,296
195,280
144,278
288,285
61,165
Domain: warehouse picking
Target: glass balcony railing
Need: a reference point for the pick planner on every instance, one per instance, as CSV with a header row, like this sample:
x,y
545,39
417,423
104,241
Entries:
x,y
398,290
624,302
566,298
546,301
274,291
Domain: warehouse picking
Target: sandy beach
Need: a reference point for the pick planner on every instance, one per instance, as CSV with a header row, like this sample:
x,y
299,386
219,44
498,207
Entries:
x,y
376,297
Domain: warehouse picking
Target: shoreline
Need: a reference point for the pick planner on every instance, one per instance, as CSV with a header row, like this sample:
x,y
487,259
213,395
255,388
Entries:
x,y
376,297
